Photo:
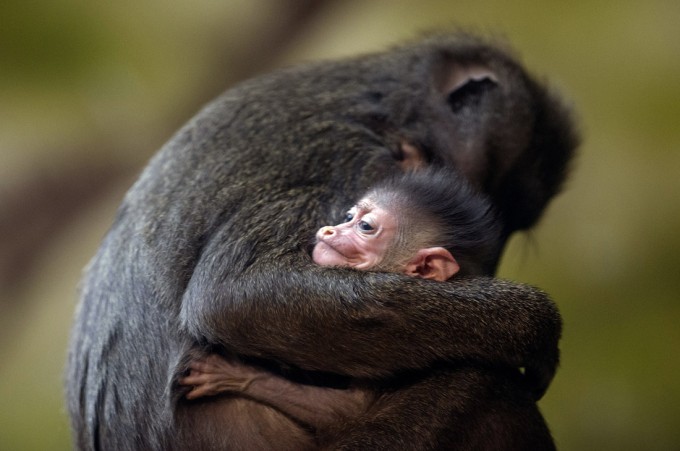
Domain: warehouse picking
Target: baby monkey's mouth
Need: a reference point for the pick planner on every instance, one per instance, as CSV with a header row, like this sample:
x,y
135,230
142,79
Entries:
x,y
331,247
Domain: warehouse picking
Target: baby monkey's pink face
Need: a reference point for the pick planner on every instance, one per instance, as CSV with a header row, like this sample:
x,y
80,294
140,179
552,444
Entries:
x,y
360,242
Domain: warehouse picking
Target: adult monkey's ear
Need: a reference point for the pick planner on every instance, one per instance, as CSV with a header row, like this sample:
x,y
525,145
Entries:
x,y
467,85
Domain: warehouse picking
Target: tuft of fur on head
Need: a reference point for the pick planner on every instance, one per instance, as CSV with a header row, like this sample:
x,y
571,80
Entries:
x,y
435,208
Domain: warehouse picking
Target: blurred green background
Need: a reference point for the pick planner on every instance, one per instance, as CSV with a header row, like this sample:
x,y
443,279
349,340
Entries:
x,y
89,90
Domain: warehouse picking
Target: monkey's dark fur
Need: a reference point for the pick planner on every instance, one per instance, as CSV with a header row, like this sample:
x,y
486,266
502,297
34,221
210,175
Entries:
x,y
210,249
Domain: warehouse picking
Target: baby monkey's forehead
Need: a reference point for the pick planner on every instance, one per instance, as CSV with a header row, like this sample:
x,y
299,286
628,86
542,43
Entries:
x,y
366,204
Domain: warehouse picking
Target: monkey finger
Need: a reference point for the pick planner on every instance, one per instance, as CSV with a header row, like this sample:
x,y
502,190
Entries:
x,y
195,379
208,365
193,394
200,391
198,365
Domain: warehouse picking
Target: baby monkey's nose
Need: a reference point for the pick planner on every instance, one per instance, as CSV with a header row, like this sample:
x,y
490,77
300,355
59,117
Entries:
x,y
325,232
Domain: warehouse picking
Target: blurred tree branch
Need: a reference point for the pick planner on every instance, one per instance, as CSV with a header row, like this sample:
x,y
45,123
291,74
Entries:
x,y
37,209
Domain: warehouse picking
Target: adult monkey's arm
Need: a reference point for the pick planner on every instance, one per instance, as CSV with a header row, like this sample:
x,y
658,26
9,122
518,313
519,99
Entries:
x,y
373,324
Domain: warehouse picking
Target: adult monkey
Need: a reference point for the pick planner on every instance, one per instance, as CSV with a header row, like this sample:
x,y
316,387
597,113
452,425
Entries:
x,y
210,249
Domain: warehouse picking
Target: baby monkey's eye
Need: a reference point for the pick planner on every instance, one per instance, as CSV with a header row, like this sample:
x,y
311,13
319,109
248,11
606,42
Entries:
x,y
348,217
365,226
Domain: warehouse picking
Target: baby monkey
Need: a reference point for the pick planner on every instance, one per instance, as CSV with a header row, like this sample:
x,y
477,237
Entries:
x,y
423,224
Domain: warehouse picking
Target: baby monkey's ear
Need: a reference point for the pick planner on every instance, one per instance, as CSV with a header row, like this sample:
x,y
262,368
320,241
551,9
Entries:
x,y
435,263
